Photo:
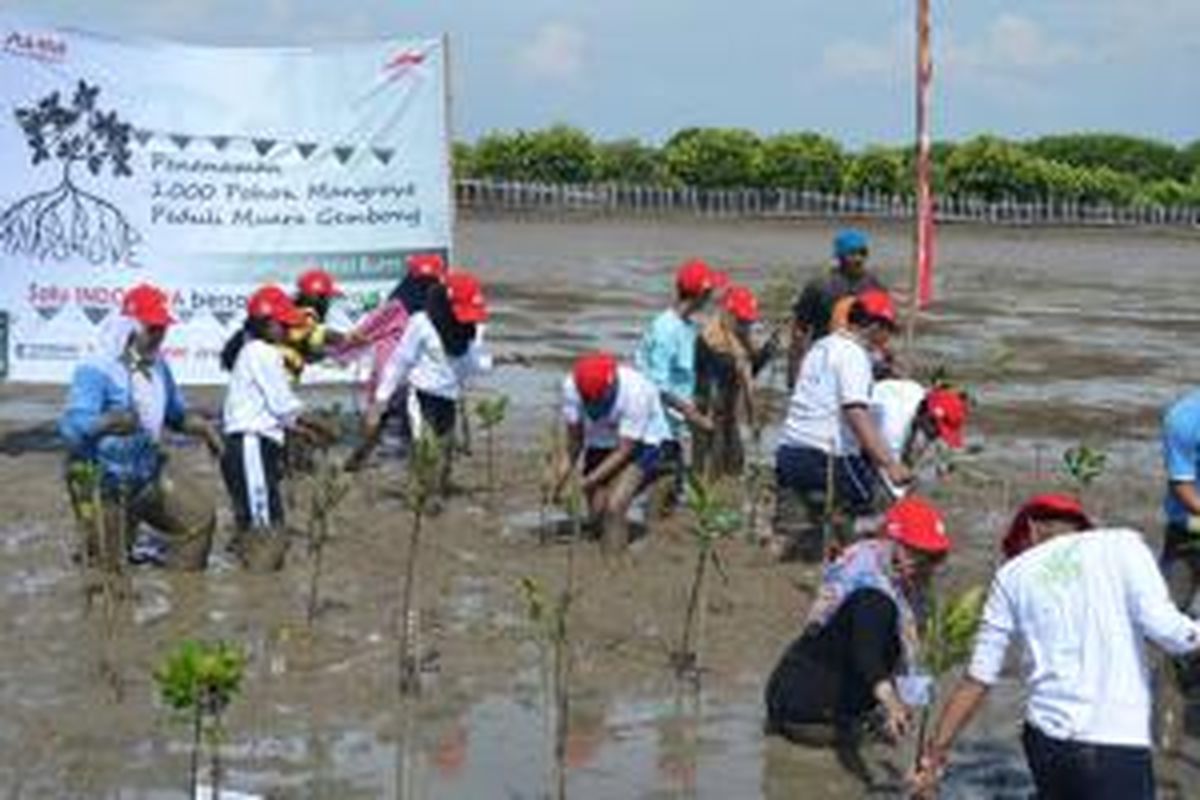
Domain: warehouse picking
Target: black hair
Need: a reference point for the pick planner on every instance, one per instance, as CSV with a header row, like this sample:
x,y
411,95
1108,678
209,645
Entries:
x,y
456,336
413,290
318,304
859,317
252,328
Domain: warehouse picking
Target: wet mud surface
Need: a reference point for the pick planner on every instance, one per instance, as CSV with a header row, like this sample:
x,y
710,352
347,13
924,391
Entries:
x,y
1062,336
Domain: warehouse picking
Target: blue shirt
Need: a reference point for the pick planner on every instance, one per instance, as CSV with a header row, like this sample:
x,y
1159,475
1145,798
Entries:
x,y
98,387
1181,450
667,356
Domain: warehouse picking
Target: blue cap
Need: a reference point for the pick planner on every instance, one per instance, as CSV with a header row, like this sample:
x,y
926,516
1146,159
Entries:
x,y
849,240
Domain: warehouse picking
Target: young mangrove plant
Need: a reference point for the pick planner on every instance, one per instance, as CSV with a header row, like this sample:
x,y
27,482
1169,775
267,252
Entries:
x,y
1083,465
198,681
328,488
423,479
947,635
491,411
713,519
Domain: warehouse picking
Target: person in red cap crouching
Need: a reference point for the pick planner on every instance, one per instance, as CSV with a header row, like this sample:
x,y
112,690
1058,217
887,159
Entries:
x,y
667,356
829,440
118,407
441,350
1082,602
910,418
615,419
727,360
861,644
309,341
260,412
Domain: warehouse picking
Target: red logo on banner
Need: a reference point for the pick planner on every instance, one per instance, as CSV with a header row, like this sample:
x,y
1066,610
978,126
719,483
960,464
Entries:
x,y
403,62
42,46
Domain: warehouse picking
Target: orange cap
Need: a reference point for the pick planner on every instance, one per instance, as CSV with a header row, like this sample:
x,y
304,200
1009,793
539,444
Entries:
x,y
878,304
948,409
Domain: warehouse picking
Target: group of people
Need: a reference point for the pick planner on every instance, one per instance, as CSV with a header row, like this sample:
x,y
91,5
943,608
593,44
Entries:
x,y
1081,600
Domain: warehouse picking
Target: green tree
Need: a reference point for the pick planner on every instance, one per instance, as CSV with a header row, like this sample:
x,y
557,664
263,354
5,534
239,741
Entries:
x,y
1144,158
561,154
876,169
713,157
1169,193
504,156
993,169
462,159
629,161
802,161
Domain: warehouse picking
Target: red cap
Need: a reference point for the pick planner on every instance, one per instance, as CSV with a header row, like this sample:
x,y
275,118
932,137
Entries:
x,y
948,409
273,302
742,303
878,304
466,297
317,283
915,522
694,278
1040,507
147,304
595,374
427,265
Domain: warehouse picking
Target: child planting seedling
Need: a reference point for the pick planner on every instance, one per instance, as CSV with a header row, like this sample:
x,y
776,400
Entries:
x,y
714,520
424,474
329,487
198,680
491,412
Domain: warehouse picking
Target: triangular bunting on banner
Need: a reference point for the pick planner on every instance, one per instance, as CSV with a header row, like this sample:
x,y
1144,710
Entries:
x,y
183,314
96,313
305,149
181,140
384,154
223,317
143,137
263,146
219,142
49,312
343,153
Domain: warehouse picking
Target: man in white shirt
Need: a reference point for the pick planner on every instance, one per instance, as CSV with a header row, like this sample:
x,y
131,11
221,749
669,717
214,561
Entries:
x,y
829,440
1082,602
615,418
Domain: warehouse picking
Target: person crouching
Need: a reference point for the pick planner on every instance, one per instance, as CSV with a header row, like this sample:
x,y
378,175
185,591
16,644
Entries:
x,y
118,407
615,419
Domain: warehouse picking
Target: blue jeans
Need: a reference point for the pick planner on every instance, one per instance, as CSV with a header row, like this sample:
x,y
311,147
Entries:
x,y
1066,770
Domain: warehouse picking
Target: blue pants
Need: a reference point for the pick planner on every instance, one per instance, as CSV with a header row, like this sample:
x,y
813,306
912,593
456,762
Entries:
x,y
1065,770
805,470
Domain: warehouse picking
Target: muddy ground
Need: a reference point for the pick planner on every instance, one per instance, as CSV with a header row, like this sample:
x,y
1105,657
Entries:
x,y
1063,337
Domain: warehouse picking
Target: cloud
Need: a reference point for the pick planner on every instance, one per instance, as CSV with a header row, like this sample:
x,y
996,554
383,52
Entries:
x,y
853,58
1012,43
557,52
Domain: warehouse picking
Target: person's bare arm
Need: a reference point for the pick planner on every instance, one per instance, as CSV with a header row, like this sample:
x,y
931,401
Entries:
x,y
613,463
798,344
1187,495
194,424
689,411
964,701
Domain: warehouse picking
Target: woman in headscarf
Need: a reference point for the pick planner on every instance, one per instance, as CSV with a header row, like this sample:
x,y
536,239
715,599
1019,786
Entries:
x,y
727,360
860,640
118,407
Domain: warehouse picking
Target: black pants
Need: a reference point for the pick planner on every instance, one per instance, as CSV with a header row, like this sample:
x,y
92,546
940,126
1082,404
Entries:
x,y
1065,770
805,470
252,467
439,413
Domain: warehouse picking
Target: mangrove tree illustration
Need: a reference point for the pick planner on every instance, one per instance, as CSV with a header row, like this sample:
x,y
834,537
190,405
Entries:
x,y
67,220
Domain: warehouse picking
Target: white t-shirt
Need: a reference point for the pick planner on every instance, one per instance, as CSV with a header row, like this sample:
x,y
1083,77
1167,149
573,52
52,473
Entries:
x,y
260,398
836,372
1082,605
894,404
637,413
420,360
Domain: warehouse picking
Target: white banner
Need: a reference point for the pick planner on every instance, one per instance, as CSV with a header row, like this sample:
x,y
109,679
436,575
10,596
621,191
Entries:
x,y
207,171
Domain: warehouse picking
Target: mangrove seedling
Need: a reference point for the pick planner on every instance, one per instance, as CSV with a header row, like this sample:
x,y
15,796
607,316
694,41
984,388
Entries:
x,y
328,488
947,635
198,681
491,411
423,479
713,519
1083,465
549,621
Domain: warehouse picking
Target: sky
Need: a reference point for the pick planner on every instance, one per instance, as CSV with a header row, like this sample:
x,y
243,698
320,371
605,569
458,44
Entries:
x,y
646,68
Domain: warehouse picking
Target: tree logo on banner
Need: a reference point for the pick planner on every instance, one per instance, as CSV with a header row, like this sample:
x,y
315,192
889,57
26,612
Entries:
x,y
67,219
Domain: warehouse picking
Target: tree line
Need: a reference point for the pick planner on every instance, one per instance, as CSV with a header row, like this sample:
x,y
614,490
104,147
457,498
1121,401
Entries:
x,y
1082,167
